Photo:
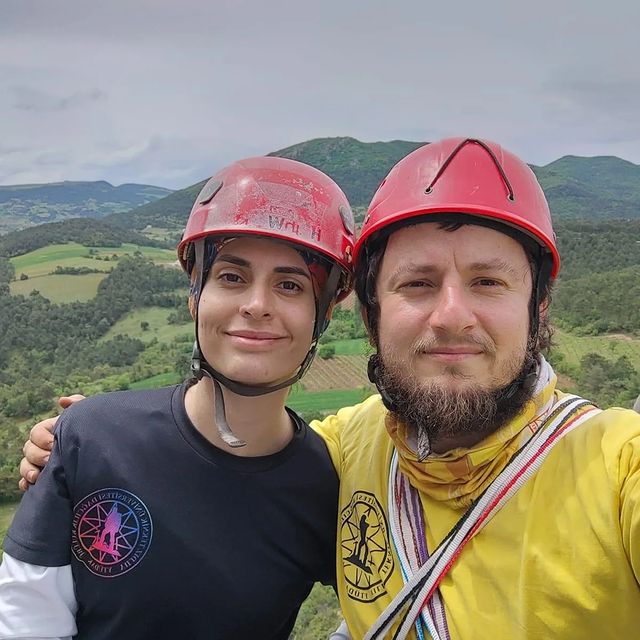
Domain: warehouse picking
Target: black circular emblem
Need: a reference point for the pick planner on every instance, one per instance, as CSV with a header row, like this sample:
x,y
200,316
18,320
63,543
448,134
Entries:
x,y
111,532
367,561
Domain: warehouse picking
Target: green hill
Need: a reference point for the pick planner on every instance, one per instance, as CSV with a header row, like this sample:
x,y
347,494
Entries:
x,y
358,167
597,188
593,188
170,212
91,233
26,205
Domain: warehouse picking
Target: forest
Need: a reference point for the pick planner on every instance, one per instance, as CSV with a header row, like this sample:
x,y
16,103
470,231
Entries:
x,y
48,348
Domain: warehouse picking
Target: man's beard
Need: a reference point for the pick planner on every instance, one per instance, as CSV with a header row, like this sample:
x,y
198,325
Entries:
x,y
433,412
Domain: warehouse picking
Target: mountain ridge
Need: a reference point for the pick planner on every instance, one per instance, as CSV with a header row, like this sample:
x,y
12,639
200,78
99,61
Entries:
x,y
577,187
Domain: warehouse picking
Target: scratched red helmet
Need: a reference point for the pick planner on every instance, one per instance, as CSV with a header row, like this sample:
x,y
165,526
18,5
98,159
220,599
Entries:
x,y
277,198
463,176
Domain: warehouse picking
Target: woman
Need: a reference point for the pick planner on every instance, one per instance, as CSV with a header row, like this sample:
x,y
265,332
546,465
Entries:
x,y
204,510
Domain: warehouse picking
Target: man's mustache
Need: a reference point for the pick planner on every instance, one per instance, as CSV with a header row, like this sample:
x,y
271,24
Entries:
x,y
427,344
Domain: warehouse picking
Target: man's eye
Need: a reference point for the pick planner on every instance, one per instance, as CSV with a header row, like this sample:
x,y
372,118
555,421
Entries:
x,y
416,284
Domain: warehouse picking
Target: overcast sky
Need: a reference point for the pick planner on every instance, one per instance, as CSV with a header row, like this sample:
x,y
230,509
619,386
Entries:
x,y
166,93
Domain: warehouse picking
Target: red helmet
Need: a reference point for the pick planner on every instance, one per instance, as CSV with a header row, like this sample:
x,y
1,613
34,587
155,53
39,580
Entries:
x,y
277,198
468,176
274,198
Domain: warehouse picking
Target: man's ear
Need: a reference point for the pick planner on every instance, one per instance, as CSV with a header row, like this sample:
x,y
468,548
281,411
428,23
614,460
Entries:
x,y
365,317
367,326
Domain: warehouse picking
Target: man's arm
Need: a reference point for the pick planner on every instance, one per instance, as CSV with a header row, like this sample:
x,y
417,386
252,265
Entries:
x,y
38,448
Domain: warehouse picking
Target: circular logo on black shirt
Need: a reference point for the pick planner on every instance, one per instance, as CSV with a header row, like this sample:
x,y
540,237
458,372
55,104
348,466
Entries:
x,y
366,559
111,532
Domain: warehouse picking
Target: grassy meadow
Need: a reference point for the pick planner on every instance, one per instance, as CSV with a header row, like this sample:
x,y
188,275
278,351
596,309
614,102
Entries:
x,y
609,346
39,266
315,402
156,317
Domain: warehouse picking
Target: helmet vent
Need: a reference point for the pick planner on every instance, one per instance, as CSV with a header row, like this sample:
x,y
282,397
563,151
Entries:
x,y
209,190
492,155
348,220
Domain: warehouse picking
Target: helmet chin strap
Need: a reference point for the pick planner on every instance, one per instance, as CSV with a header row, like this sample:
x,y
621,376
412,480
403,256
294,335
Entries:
x,y
200,367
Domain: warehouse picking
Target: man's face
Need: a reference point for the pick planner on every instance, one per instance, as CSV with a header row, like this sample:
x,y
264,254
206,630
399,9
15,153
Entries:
x,y
454,306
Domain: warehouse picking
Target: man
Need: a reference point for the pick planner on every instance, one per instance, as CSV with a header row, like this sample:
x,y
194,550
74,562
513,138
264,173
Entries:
x,y
454,266
508,507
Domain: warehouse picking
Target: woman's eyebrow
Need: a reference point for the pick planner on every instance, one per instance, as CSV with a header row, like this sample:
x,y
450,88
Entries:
x,y
241,262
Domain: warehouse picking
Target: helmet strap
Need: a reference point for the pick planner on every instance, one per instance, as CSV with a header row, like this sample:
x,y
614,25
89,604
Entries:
x,y
327,296
200,367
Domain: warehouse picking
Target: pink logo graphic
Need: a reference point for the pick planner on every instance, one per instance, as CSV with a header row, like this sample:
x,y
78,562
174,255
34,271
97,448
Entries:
x,y
111,532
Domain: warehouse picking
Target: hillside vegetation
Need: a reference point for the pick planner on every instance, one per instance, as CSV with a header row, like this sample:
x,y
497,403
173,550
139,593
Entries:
x,y
87,305
91,233
586,188
27,205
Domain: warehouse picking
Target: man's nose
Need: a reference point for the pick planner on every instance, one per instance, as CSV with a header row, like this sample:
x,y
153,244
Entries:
x,y
452,310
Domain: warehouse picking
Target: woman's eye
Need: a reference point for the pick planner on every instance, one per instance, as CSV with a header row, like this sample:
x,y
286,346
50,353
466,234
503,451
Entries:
x,y
290,285
230,277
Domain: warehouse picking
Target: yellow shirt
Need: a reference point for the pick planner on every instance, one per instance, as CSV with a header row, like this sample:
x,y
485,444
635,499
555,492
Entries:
x,y
560,560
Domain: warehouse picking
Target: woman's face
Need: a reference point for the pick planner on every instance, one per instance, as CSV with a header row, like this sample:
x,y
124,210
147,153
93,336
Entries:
x,y
257,311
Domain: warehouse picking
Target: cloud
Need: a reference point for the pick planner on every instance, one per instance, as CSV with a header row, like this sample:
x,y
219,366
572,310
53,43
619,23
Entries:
x,y
32,99
166,92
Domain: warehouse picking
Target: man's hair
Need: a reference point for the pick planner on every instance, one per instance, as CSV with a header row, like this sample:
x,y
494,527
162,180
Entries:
x,y
369,267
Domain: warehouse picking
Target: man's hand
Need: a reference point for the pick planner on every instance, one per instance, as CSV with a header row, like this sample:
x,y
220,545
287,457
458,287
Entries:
x,y
37,449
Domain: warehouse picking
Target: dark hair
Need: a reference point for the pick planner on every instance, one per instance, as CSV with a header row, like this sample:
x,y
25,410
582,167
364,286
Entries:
x,y
373,251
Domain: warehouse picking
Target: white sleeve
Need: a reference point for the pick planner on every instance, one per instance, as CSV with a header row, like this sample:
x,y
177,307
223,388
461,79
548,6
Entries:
x,y
36,602
341,633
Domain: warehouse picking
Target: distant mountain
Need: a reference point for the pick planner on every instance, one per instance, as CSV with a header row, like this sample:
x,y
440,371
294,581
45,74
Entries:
x,y
593,188
596,188
586,188
27,205
358,167
169,212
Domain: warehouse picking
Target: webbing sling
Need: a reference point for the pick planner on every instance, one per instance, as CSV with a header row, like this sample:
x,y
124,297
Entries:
x,y
419,590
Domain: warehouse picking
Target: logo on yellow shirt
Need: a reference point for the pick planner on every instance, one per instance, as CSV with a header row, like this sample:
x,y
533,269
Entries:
x,y
367,562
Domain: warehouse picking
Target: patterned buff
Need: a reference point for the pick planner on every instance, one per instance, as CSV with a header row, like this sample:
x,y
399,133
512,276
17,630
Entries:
x,y
459,476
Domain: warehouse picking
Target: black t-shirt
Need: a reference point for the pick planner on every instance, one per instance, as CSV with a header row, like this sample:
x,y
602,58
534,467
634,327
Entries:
x,y
170,537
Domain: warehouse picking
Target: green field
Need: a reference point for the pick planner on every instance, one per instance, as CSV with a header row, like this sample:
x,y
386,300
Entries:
x,y
60,288
158,326
155,382
314,402
38,266
44,260
355,347
610,347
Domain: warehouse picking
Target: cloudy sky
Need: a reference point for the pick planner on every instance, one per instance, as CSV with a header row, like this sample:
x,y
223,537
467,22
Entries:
x,y
165,92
